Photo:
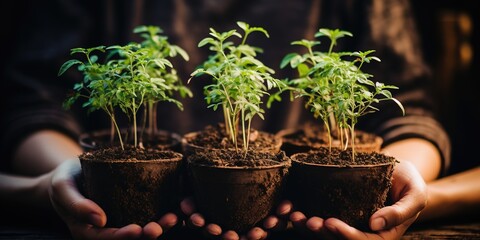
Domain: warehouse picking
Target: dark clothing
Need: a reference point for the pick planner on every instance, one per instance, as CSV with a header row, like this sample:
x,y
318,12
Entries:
x,y
46,31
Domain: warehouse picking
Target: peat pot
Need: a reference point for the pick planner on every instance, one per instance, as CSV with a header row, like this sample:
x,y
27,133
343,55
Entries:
x,y
132,188
237,194
351,191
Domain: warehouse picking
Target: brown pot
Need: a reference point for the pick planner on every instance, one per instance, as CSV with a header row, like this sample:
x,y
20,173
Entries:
x,y
237,197
351,193
132,190
164,140
295,140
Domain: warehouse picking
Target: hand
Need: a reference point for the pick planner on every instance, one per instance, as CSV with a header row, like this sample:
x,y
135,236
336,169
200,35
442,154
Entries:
x,y
84,218
409,196
213,231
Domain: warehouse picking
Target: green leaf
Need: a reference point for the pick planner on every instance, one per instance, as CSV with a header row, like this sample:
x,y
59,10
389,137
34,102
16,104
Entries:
x,y
286,60
68,64
206,41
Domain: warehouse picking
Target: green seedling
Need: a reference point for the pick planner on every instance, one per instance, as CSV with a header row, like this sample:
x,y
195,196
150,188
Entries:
x,y
335,88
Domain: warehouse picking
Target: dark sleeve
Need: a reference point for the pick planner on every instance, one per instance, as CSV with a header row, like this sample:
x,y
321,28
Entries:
x,y
391,31
40,41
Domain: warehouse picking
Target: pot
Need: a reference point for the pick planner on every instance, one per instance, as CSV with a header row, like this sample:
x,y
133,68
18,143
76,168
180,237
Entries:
x,y
135,190
237,197
351,193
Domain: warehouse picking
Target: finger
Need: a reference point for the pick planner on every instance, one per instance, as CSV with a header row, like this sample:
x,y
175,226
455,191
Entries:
x,y
213,231
275,224
284,208
230,235
69,203
168,221
256,233
131,231
299,220
196,221
187,206
409,206
316,226
345,231
152,230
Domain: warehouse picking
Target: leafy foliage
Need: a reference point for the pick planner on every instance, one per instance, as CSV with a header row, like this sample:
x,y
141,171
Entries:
x,y
240,80
335,88
133,76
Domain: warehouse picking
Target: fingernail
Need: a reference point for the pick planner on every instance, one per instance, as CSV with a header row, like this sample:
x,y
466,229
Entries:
x,y
378,224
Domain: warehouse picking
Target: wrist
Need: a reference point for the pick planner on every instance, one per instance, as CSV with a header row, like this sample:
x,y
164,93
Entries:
x,y
41,191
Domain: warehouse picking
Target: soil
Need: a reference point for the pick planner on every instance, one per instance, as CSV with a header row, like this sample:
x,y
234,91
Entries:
x,y
132,185
349,190
343,158
237,191
312,136
130,153
215,137
231,158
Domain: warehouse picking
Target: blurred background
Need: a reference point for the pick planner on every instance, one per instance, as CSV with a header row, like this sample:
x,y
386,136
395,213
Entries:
x,y
450,32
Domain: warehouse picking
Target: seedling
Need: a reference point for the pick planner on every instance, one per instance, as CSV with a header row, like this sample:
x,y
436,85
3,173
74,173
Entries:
x,y
336,89
240,80
133,76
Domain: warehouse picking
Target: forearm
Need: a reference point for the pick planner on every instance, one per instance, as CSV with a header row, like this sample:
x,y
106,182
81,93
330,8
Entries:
x,y
421,153
34,162
19,192
43,151
453,196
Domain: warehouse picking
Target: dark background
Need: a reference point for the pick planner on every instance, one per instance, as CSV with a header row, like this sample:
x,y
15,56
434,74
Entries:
x,y
450,32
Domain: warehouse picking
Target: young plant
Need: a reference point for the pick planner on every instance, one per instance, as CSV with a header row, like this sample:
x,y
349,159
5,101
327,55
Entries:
x,y
132,76
336,89
240,80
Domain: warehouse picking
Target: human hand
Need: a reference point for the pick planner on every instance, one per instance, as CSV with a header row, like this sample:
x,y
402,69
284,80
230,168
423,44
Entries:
x,y
84,218
271,224
408,193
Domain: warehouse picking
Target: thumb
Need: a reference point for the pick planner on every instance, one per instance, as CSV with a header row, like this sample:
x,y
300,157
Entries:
x,y
67,200
411,202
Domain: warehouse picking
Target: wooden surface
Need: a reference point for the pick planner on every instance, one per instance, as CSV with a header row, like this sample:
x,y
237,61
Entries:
x,y
451,231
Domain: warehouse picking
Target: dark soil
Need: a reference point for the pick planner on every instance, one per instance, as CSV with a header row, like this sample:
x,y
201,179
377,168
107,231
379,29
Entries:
x,y
350,190
344,157
130,153
315,135
215,137
232,158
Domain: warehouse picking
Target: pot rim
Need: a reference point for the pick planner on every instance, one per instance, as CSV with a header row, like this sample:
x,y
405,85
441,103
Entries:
x,y
335,166
176,158
280,164
188,136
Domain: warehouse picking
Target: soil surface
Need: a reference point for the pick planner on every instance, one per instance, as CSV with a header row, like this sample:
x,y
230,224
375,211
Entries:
x,y
232,158
215,137
344,157
130,153
315,136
